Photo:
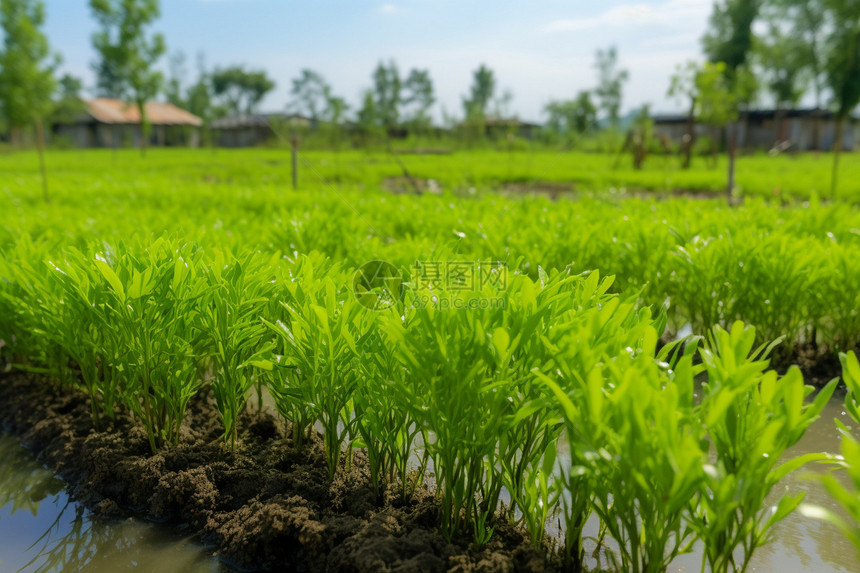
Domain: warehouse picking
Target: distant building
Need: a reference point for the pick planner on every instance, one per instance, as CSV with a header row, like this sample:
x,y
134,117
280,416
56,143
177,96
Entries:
x,y
257,129
501,128
795,129
115,123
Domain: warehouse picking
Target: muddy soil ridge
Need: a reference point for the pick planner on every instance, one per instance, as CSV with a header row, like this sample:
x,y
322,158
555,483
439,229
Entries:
x,y
264,507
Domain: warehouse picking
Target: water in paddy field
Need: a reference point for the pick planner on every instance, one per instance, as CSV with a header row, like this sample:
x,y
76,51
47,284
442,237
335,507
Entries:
x,y
41,530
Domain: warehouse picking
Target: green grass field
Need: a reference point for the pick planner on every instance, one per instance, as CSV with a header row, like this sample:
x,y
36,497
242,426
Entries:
x,y
145,281
787,177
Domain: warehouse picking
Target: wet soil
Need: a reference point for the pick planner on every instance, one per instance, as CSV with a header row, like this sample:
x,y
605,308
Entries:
x,y
264,507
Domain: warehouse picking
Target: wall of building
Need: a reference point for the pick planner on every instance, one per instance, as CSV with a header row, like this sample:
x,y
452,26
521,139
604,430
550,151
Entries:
x,y
803,133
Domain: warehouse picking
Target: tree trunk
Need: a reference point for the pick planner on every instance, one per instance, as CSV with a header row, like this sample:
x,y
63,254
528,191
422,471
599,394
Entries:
x,y
837,149
691,134
144,127
733,140
40,147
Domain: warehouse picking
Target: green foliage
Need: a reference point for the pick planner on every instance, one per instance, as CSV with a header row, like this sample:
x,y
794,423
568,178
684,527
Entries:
x,y
610,83
847,496
751,418
418,99
309,93
730,37
240,292
387,94
126,54
572,118
480,94
716,103
550,394
241,90
26,64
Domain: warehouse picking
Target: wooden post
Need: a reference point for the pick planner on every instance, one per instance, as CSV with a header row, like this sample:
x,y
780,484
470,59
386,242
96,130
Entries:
x,y
294,146
40,146
733,140
837,149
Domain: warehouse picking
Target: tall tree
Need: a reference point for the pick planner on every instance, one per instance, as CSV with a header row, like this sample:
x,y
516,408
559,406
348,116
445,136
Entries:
x,y
309,93
368,117
571,118
27,72
683,88
68,104
806,21
783,58
127,55
843,69
729,38
387,93
241,90
480,93
199,96
174,86
729,41
419,97
610,83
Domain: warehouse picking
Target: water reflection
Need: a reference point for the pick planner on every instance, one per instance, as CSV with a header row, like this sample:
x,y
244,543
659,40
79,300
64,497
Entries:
x,y
799,544
41,530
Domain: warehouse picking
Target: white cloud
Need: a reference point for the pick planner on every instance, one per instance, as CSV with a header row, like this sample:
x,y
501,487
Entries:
x,y
388,8
672,13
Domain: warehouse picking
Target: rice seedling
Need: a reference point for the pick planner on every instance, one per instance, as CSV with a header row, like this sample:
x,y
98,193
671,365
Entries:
x,y
233,330
750,417
153,303
455,392
389,433
847,496
327,326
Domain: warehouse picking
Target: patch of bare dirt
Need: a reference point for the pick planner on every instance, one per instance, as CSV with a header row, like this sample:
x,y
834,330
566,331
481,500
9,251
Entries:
x,y
265,506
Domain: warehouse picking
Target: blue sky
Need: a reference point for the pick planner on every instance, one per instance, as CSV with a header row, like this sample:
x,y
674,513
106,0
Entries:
x,y
539,49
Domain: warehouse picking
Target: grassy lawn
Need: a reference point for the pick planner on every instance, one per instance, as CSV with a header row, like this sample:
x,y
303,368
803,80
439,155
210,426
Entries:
x,y
787,176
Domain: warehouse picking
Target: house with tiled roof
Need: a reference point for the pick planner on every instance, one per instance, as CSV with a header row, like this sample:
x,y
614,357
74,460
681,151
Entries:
x,y
106,122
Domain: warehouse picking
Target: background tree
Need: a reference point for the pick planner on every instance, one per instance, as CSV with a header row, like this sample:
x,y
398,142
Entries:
x,y
480,93
729,38
641,136
199,96
387,93
418,98
368,118
683,88
843,69
174,86
241,90
806,22
570,119
68,104
126,55
333,116
310,92
783,59
26,72
717,106
729,41
610,84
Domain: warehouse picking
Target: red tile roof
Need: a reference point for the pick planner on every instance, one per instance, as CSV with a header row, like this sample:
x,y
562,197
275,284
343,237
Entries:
x,y
107,110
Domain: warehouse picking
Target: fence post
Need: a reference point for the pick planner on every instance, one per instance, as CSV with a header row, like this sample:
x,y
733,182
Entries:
x,y
294,146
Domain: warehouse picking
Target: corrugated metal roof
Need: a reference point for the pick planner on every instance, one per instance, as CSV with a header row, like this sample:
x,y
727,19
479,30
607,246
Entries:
x,y
107,110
